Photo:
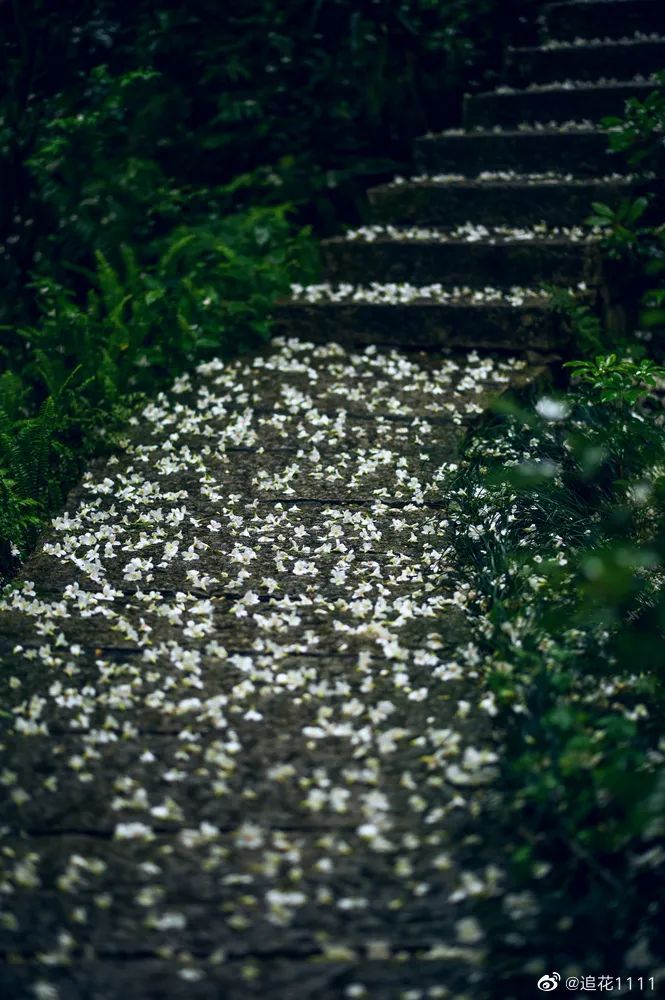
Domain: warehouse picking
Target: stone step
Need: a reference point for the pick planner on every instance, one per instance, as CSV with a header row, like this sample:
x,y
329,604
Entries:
x,y
512,203
583,153
602,18
459,262
294,970
616,60
560,104
425,325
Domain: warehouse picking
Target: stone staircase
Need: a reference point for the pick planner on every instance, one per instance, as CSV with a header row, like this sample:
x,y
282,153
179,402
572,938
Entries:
x,y
458,254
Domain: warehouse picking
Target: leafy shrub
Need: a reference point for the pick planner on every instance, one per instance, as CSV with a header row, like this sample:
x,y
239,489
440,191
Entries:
x,y
569,567
618,225
87,361
639,135
633,233
617,380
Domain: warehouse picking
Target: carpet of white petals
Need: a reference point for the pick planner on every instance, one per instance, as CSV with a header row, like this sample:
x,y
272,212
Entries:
x,y
246,744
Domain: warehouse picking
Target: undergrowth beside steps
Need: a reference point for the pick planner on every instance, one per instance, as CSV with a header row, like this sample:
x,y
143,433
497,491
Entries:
x,y
89,359
560,528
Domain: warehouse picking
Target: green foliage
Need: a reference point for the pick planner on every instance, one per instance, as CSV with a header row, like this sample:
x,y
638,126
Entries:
x,y
328,93
209,290
618,225
632,233
617,380
93,168
86,362
642,248
34,458
639,135
569,561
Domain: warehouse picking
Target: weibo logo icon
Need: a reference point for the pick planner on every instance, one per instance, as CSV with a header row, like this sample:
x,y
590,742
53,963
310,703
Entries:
x,y
547,983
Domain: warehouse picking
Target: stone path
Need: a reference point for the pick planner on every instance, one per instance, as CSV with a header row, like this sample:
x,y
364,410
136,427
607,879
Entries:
x,y
246,748
246,744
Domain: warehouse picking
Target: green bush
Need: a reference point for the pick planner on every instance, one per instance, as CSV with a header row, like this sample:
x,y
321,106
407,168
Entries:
x,y
621,381
633,233
87,361
568,563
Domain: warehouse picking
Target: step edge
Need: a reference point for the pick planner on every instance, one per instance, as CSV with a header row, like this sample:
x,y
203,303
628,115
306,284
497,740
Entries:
x,y
558,242
470,183
617,43
529,304
510,134
571,4
560,91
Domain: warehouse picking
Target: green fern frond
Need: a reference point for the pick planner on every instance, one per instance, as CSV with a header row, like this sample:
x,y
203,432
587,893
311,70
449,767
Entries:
x,y
111,287
12,395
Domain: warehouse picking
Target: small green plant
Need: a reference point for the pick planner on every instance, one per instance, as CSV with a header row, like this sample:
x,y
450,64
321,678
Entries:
x,y
618,225
617,380
639,135
629,232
